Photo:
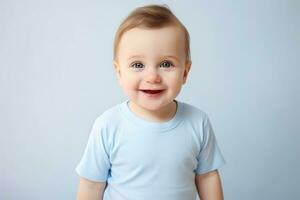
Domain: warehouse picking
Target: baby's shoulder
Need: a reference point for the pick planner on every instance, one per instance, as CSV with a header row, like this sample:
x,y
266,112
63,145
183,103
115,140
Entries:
x,y
109,117
193,112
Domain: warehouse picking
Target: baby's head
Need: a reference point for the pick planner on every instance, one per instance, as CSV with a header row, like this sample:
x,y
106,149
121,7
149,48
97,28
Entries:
x,y
152,56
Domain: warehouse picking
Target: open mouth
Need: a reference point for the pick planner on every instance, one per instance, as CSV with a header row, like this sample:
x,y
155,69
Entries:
x,y
152,91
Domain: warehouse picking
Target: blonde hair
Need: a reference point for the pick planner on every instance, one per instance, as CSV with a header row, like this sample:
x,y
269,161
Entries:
x,y
151,16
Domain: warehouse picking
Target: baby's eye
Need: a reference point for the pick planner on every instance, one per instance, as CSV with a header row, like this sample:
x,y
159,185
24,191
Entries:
x,y
166,64
137,65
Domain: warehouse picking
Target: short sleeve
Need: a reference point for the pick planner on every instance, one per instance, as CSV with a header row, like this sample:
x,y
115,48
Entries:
x,y
210,157
94,164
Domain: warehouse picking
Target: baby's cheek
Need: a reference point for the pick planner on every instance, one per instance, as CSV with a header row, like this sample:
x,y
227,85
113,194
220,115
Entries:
x,y
176,86
131,84
176,82
127,80
130,88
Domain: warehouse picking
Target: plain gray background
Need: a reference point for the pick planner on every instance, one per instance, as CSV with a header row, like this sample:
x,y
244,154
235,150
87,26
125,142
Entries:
x,y
57,77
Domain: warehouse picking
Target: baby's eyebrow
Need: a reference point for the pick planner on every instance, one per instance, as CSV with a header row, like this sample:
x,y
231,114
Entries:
x,y
135,56
170,56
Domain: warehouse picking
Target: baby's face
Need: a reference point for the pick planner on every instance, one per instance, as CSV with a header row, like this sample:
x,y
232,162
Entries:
x,y
151,65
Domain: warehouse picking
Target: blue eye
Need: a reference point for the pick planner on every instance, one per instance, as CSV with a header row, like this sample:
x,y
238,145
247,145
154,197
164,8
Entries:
x,y
137,65
166,64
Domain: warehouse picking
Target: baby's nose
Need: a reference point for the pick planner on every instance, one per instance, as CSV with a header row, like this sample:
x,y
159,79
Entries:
x,y
153,76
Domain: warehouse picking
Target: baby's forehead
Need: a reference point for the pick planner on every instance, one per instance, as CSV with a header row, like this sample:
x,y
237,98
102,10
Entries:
x,y
168,39
170,30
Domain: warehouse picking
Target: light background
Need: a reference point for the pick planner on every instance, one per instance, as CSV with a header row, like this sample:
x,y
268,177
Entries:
x,y
57,76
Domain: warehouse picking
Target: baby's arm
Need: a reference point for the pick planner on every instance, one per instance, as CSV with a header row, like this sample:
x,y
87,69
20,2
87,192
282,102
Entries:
x,y
90,190
209,186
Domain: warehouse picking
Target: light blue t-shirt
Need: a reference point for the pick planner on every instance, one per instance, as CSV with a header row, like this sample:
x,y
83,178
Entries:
x,y
143,160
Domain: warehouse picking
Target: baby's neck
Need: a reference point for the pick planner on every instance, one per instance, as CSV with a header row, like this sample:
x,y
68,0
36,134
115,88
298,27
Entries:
x,y
162,115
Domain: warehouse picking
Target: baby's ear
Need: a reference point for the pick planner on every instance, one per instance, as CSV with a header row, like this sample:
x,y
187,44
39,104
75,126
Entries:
x,y
187,68
117,68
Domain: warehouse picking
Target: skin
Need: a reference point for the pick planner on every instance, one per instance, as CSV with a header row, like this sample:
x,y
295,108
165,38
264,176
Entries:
x,y
90,190
209,186
153,59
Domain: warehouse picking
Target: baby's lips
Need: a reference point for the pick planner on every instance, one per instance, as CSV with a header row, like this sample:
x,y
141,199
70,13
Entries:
x,y
152,91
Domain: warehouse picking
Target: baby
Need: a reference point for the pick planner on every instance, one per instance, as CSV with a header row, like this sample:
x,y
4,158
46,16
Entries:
x,y
151,146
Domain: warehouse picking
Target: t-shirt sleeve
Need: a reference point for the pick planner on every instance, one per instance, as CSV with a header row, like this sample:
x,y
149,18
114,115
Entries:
x,y
210,157
94,164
